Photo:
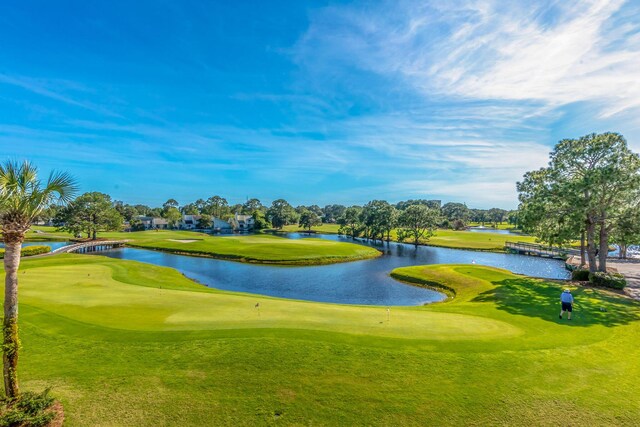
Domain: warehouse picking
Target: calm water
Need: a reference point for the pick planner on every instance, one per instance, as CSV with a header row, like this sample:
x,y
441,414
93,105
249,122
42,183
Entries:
x,y
361,282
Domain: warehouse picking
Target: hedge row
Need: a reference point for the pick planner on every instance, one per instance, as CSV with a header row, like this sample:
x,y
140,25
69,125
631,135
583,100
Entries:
x,y
30,250
605,280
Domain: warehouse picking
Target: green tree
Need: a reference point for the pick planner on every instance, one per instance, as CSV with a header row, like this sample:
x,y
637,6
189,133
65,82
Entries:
x,y
478,215
189,209
205,221
260,221
433,204
349,221
496,216
331,213
127,212
456,211
22,199
419,222
626,230
596,177
171,203
281,213
378,218
251,205
309,219
547,214
49,213
90,213
173,216
216,206
200,205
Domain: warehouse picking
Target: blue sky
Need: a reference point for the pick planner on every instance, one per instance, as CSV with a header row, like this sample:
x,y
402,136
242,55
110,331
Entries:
x,y
314,102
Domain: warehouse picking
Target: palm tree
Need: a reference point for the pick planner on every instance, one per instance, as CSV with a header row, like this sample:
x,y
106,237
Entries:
x,y
22,198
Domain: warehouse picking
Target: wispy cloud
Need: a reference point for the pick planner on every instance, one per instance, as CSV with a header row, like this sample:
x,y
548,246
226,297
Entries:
x,y
57,90
552,52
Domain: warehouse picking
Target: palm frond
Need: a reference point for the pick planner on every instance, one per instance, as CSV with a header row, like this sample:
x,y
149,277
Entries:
x,y
62,184
22,196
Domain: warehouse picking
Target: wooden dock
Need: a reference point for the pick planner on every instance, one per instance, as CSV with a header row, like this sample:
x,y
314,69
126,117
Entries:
x,y
534,249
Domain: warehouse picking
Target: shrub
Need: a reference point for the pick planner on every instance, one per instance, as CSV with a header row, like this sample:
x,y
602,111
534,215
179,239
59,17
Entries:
x,y
580,275
30,250
29,410
458,225
608,280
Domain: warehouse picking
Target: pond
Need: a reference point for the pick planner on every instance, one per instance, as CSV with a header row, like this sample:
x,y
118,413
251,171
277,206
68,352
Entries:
x,y
362,282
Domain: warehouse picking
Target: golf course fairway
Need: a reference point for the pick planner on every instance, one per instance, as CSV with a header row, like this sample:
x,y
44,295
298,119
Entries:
x,y
127,343
252,248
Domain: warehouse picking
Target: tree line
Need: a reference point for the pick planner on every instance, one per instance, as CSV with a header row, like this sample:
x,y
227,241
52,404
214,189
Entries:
x,y
94,212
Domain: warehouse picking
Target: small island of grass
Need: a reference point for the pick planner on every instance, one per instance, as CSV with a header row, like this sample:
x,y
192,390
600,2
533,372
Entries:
x,y
255,248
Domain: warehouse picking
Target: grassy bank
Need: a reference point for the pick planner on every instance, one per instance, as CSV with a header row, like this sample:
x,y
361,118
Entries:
x,y
125,343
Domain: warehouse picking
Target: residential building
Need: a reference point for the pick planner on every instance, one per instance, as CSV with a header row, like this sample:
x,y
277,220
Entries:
x,y
221,226
152,223
189,222
242,222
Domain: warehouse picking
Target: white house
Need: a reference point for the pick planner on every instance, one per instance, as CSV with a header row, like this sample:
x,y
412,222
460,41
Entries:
x,y
242,222
189,222
151,223
221,226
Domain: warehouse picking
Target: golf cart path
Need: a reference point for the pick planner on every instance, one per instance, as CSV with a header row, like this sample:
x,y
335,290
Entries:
x,y
631,271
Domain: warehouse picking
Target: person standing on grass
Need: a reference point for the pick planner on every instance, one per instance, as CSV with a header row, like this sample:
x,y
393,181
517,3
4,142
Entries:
x,y
567,303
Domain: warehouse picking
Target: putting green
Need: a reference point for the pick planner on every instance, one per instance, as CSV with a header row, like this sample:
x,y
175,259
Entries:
x,y
126,343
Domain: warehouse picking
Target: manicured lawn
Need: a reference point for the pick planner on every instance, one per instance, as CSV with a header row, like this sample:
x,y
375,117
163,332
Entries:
x,y
474,240
257,248
323,228
484,241
125,343
260,248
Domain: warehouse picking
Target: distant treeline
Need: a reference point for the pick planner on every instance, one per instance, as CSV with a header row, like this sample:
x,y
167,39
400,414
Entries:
x,y
94,212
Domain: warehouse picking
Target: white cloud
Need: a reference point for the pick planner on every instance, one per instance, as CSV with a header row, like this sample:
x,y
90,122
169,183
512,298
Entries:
x,y
556,53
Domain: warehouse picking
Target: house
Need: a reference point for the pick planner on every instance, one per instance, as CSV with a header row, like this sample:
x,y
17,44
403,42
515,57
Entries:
x,y
242,222
221,226
189,222
152,223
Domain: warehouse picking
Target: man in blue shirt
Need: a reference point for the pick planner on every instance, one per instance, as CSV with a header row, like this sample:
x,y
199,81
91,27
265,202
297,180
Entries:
x,y
567,303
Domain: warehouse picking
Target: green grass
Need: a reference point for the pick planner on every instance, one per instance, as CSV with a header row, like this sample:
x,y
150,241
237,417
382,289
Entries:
x,y
255,248
125,343
323,228
484,241
258,248
500,226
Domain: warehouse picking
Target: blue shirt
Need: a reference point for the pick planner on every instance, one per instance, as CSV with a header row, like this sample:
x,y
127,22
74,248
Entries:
x,y
566,297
